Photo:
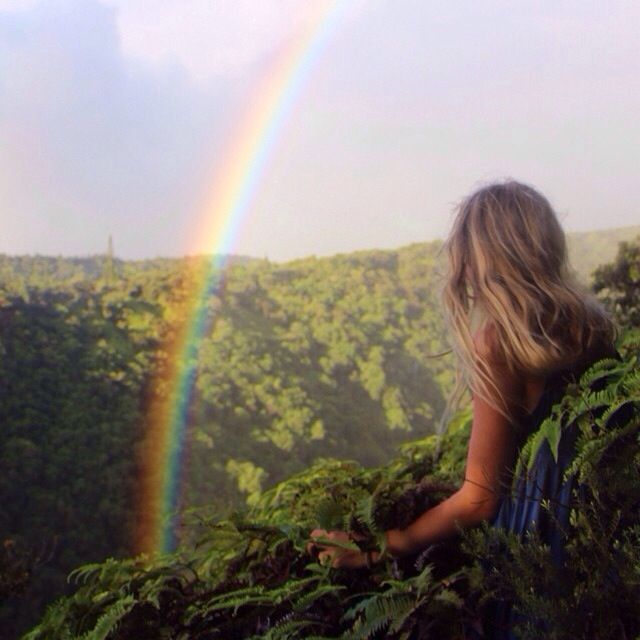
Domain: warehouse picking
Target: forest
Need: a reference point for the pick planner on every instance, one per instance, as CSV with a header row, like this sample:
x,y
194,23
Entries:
x,y
319,385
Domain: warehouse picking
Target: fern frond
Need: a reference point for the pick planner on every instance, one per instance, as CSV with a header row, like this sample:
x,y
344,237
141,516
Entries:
x,y
603,369
303,602
86,572
110,619
287,628
378,613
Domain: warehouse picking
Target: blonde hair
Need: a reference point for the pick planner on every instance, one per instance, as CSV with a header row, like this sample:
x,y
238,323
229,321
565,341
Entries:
x,y
508,272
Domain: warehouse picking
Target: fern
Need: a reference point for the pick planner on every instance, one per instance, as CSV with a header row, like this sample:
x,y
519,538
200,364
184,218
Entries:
x,y
376,613
287,629
109,621
304,602
550,431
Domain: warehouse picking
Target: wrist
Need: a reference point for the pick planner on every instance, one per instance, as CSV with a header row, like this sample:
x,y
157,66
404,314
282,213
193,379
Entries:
x,y
397,543
371,557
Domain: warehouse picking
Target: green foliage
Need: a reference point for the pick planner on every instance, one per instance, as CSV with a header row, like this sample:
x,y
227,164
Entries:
x,y
304,363
72,373
619,283
250,576
316,358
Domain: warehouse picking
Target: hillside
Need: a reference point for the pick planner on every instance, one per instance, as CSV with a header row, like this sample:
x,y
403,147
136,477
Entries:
x,y
314,358
589,249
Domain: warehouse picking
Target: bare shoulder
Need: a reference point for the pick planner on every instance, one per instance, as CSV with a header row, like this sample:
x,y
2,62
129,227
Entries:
x,y
508,381
486,343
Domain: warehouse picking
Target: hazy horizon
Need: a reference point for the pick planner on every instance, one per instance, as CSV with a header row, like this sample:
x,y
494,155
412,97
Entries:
x,y
117,256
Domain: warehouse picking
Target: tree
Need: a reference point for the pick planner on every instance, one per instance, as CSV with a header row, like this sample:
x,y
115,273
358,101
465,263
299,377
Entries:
x,y
618,283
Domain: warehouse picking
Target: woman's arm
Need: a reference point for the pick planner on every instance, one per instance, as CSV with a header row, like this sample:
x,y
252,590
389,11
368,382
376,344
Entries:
x,y
490,454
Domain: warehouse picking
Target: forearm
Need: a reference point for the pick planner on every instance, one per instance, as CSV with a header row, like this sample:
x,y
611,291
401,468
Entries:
x,y
490,457
463,509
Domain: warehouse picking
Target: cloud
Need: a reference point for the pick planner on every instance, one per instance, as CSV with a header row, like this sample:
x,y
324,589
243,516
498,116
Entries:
x,y
93,143
225,37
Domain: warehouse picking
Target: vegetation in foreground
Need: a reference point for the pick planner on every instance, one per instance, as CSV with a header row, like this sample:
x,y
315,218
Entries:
x,y
250,577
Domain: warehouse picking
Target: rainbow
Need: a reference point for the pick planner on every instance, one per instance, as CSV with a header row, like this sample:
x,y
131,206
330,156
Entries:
x,y
235,186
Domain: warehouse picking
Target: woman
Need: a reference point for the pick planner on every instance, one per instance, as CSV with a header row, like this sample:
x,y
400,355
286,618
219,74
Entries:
x,y
522,329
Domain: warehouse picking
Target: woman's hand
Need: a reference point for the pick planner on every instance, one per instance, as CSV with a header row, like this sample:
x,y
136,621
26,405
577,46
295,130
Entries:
x,y
339,556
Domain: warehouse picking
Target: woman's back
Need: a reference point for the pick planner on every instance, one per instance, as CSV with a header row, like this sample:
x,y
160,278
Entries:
x,y
521,508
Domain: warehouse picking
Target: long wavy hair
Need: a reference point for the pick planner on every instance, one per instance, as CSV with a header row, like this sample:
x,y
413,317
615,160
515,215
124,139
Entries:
x,y
508,272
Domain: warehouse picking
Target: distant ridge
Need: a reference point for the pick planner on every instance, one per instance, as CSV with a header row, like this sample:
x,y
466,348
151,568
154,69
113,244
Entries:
x,y
587,250
93,266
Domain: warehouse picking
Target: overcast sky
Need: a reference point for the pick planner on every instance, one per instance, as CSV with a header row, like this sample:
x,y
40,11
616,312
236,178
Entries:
x,y
113,114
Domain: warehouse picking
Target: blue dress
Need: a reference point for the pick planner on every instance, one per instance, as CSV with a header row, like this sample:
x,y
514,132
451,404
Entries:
x,y
520,510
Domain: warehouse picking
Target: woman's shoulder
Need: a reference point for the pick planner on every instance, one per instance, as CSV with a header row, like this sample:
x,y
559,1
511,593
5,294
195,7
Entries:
x,y
534,386
487,346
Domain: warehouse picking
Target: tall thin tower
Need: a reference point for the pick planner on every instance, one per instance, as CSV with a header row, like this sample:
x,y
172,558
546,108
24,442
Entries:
x,y
108,267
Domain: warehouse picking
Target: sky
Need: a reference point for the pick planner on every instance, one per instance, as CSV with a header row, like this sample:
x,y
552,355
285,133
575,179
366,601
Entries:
x,y
116,117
